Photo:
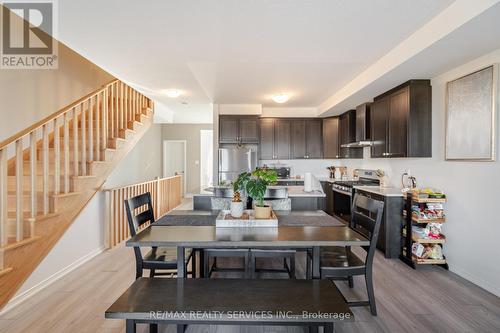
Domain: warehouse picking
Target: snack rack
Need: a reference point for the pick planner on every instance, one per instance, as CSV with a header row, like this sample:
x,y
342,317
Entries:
x,y
408,237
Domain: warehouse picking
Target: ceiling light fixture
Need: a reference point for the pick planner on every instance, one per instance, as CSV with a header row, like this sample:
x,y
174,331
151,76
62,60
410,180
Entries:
x,y
281,98
173,93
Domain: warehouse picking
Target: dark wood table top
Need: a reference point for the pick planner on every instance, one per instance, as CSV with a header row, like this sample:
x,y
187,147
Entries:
x,y
285,218
218,299
211,236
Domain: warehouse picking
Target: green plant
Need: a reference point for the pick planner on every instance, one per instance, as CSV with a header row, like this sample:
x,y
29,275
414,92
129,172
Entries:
x,y
240,185
256,185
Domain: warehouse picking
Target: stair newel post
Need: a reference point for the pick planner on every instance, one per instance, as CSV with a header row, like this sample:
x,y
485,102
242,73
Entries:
x,y
98,108
3,196
83,121
57,158
45,172
75,142
90,104
66,152
33,174
19,189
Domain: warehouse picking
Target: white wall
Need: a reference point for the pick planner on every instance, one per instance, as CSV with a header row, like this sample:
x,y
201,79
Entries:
x,y
85,237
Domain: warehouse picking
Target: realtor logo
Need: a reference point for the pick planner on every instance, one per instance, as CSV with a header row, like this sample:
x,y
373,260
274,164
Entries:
x,y
26,36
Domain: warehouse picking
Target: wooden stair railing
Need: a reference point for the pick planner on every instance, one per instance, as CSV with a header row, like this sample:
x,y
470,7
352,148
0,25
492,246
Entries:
x,y
57,165
165,195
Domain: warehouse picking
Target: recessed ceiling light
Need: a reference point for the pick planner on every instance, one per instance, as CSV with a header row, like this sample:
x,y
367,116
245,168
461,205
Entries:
x,y
172,93
281,98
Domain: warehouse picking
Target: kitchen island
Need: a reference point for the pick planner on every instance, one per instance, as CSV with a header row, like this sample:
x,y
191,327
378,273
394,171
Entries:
x,y
300,200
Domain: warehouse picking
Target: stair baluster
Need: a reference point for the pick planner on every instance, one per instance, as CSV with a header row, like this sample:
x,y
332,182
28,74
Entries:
x,y
57,158
33,174
45,161
66,153
3,197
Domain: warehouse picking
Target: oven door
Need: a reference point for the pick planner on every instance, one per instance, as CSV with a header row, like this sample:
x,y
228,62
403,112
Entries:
x,y
342,201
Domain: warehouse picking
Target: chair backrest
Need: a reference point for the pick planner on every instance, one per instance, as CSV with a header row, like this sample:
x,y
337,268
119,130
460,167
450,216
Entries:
x,y
367,213
139,211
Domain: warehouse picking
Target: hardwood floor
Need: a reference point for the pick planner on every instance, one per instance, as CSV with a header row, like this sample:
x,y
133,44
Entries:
x,y
427,300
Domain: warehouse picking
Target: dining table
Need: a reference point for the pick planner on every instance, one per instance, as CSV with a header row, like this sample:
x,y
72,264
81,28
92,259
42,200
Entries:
x,y
306,230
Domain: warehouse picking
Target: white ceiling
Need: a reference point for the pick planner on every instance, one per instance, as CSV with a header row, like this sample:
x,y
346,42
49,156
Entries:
x,y
239,52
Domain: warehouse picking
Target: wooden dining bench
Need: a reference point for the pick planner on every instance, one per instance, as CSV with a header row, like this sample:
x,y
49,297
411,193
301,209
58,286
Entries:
x,y
310,303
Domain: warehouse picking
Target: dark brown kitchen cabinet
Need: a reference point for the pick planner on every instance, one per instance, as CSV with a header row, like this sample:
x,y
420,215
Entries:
x,y
378,115
314,138
266,145
347,134
298,139
238,129
401,121
274,139
331,137
307,138
282,139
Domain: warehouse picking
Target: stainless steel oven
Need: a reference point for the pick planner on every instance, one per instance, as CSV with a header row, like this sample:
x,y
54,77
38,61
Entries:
x,y
343,192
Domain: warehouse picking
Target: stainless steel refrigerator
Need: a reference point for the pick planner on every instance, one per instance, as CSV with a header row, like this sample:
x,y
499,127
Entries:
x,y
235,160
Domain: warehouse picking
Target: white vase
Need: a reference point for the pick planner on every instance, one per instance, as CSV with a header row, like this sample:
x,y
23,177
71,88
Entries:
x,y
236,209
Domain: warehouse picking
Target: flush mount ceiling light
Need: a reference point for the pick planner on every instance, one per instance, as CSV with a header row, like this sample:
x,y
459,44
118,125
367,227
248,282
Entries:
x,y
281,98
172,93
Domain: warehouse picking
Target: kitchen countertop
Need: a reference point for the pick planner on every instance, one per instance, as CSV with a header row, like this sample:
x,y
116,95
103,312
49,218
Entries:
x,y
386,192
293,192
285,218
298,191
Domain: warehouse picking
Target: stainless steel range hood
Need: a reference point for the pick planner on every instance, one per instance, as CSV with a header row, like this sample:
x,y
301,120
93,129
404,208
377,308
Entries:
x,y
363,132
358,144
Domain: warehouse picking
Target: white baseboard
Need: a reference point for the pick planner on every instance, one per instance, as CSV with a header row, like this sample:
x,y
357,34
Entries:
x,y
486,285
18,299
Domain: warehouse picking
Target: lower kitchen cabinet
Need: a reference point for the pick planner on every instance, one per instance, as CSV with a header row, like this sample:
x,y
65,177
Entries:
x,y
389,240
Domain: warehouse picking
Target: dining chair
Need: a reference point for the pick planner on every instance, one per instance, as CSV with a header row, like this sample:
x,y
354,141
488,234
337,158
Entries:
x,y
140,211
287,256
340,263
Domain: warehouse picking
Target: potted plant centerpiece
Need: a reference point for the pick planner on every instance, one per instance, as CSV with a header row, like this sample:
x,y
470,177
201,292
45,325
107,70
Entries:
x,y
256,188
239,185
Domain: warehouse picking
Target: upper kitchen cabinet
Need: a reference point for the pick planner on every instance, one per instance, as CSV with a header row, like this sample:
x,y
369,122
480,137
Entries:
x,y
238,129
331,137
314,138
347,135
274,138
401,121
306,138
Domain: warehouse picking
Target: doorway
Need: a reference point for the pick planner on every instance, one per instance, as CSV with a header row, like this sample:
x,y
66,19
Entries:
x,y
174,160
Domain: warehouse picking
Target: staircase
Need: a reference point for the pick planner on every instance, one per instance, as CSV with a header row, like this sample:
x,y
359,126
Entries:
x,y
51,170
